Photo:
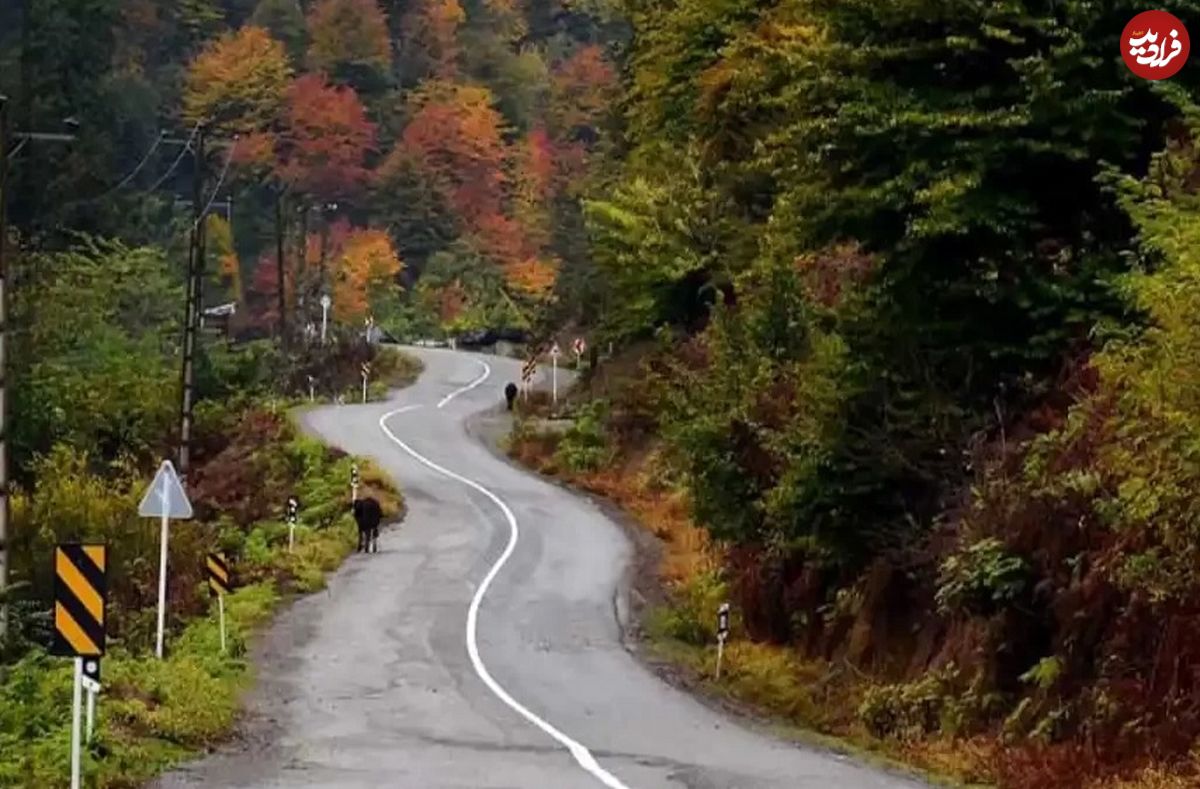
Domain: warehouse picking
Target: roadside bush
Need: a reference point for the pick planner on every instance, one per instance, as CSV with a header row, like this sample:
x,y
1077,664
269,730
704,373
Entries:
x,y
982,579
585,445
691,616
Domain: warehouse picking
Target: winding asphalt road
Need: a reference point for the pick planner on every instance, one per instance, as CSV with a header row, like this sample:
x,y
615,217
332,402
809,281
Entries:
x,y
481,647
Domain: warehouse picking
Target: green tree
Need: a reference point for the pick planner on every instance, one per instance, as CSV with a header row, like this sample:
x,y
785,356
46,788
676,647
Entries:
x,y
285,20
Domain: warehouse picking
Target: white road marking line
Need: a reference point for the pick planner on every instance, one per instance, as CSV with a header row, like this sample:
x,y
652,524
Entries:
x,y
486,372
580,753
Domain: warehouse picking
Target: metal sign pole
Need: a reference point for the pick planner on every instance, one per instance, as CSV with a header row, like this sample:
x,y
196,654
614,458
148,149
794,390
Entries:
x,y
221,614
77,703
162,577
91,713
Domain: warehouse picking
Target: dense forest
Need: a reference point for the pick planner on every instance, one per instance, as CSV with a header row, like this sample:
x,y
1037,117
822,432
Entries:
x,y
901,295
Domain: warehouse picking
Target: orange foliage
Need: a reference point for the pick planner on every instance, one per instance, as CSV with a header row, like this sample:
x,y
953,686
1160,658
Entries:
x,y
348,33
455,133
237,83
534,276
500,238
534,186
328,136
367,260
433,28
582,90
452,299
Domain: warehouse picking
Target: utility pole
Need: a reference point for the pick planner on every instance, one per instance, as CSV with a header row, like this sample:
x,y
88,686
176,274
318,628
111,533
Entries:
x,y
282,269
191,314
4,509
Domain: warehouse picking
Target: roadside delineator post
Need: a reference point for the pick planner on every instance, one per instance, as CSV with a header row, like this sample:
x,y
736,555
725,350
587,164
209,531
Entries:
x,y
554,354
219,582
293,514
354,482
722,634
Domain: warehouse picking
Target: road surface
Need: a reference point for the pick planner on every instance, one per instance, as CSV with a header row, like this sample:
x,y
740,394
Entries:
x,y
470,654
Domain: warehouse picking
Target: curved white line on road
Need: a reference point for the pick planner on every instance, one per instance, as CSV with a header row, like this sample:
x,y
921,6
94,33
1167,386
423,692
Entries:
x,y
580,753
486,372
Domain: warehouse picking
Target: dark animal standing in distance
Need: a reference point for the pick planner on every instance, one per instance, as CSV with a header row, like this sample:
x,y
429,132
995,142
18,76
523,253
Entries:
x,y
510,394
368,514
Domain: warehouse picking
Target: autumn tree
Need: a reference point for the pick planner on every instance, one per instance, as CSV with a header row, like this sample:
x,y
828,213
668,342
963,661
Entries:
x,y
456,135
583,89
367,262
349,41
238,83
325,140
430,42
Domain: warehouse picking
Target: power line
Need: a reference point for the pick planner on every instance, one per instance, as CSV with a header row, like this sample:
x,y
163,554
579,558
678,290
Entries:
x,y
220,182
187,147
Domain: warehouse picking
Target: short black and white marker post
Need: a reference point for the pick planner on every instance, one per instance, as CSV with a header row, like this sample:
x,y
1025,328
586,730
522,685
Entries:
x,y
293,515
554,354
366,374
354,482
722,633
91,685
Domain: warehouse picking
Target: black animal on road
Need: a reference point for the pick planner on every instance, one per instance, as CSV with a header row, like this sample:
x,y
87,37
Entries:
x,y
368,514
510,394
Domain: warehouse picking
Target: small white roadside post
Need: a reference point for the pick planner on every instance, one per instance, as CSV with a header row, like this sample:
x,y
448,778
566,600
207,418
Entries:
x,y
312,389
354,482
326,303
91,686
293,514
76,711
366,374
554,354
722,634
165,500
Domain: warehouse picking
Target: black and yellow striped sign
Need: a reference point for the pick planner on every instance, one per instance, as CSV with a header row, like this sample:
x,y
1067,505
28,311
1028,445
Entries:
x,y
80,592
218,573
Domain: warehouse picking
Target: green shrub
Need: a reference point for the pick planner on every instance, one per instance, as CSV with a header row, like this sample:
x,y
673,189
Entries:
x,y
584,446
691,616
982,579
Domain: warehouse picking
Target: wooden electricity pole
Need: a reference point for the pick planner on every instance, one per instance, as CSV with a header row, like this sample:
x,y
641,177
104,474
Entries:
x,y
191,318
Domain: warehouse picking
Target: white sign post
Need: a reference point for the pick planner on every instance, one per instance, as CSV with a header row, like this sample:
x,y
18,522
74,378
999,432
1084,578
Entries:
x,y
554,354
312,389
76,708
354,482
366,373
165,500
326,302
722,633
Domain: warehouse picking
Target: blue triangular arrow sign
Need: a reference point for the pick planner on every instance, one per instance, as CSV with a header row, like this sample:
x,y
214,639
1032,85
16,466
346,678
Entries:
x,y
165,497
